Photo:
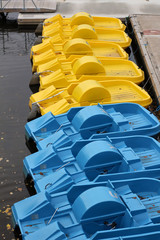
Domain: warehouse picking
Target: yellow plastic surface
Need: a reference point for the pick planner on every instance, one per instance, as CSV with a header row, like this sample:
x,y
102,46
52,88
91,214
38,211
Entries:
x,y
72,47
54,19
84,31
52,65
89,32
114,69
41,59
36,97
88,67
49,67
113,36
109,23
85,18
77,46
60,80
42,47
43,53
48,56
82,18
88,93
56,38
106,49
55,29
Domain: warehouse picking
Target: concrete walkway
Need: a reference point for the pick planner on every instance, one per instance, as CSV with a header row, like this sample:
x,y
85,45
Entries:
x,y
112,8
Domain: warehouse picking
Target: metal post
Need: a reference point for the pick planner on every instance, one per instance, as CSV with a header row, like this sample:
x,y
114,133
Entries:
x,y
24,7
1,4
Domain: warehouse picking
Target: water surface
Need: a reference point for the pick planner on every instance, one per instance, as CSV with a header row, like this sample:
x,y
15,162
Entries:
x,y
15,74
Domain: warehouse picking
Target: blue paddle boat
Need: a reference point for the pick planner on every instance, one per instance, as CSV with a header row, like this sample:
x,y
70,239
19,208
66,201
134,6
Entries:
x,y
111,120
91,159
55,231
85,209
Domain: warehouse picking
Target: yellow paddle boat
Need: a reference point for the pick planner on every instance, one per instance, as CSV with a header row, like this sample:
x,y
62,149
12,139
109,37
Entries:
x,y
88,32
84,18
87,93
45,52
86,67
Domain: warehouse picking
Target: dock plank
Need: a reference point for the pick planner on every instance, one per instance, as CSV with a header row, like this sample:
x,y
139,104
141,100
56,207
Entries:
x,y
147,32
17,6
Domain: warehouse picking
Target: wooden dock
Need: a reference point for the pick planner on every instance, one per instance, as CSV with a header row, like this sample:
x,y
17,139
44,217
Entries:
x,y
37,6
147,32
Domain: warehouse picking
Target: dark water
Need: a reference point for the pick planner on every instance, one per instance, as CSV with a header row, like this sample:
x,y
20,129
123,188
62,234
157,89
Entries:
x,y
15,73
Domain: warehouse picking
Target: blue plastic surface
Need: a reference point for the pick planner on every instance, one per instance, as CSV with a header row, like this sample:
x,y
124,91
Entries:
x,y
55,231
111,120
110,209
140,233
115,158
95,180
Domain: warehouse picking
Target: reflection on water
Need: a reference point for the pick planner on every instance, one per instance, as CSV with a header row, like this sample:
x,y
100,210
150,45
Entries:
x,y
15,41
15,73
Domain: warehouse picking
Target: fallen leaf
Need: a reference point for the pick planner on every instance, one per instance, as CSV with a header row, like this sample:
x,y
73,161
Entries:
x,y
20,189
8,211
8,226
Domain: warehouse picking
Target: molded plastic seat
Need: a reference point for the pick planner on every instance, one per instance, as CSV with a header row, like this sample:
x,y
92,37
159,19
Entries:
x,y
90,118
88,206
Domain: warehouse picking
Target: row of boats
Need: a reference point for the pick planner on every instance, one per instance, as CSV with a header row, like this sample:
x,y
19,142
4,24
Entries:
x,y
96,170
